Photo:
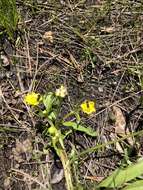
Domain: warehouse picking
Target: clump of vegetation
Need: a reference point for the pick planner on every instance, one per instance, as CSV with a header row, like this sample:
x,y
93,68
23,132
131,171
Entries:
x,y
52,106
127,178
85,136
9,17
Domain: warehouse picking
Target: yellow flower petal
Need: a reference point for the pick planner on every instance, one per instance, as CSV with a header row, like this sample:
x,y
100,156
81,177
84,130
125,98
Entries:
x,y
32,99
61,92
88,107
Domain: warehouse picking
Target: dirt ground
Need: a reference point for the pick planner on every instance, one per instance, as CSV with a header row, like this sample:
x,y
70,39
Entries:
x,y
96,50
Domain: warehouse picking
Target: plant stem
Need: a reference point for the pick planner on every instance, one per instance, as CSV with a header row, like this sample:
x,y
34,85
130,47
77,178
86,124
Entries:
x,y
67,169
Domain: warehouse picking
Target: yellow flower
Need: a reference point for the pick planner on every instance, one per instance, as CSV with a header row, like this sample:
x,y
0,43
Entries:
x,y
88,107
32,99
61,92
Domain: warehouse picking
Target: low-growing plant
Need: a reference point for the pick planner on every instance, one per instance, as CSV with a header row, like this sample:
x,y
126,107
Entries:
x,y
129,178
8,17
52,103
126,177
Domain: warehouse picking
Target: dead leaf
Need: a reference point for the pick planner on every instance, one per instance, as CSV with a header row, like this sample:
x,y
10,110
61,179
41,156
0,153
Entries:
x,y
22,147
48,36
57,177
120,122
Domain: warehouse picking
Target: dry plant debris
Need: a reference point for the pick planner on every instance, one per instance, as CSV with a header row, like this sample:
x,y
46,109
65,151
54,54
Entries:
x,y
94,48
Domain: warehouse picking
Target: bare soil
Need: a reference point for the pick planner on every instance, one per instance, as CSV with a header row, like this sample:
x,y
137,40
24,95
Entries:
x,y
97,53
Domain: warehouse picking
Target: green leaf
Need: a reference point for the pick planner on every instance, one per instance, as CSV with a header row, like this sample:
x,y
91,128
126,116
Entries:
x,y
121,176
52,116
137,185
48,102
81,128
